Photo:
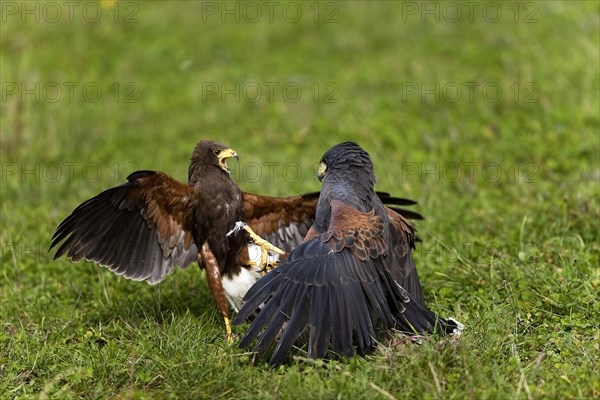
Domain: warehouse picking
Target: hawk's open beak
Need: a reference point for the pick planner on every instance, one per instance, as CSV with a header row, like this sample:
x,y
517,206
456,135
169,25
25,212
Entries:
x,y
224,155
321,171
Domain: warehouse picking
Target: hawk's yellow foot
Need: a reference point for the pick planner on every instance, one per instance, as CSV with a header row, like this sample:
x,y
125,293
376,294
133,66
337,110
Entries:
x,y
262,242
264,245
268,266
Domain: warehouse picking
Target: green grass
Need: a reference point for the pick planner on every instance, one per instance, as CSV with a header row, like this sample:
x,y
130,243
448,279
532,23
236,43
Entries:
x,y
514,257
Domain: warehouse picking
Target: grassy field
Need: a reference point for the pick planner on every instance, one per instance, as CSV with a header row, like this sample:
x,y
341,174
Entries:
x,y
486,114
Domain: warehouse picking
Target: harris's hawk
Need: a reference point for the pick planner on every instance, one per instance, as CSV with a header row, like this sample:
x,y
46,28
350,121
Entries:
x,y
144,227
352,275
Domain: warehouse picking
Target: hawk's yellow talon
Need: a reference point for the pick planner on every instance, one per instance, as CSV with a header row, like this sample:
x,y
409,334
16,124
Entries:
x,y
265,247
267,267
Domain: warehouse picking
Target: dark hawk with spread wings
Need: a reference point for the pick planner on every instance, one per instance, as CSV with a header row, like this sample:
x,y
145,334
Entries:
x,y
353,274
144,227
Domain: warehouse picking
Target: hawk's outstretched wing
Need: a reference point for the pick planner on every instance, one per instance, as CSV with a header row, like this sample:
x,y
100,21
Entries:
x,y
402,266
336,285
285,221
140,229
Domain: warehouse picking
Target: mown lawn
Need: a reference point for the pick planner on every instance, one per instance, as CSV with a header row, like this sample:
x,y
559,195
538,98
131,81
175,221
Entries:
x,y
487,113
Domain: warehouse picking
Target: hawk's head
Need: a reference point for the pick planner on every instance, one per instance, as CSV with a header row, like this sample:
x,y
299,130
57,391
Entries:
x,y
346,161
208,152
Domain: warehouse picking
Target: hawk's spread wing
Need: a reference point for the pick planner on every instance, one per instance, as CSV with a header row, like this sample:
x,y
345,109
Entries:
x,y
393,203
337,285
285,221
140,229
401,262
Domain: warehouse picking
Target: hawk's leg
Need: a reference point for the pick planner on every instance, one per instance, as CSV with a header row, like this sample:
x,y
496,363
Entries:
x,y
215,284
265,247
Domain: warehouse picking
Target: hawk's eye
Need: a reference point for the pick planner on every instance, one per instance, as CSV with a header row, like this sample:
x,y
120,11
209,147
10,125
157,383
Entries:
x,y
216,152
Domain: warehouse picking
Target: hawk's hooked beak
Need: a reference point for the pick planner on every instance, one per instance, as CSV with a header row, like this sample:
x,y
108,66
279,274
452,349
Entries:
x,y
321,171
224,155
